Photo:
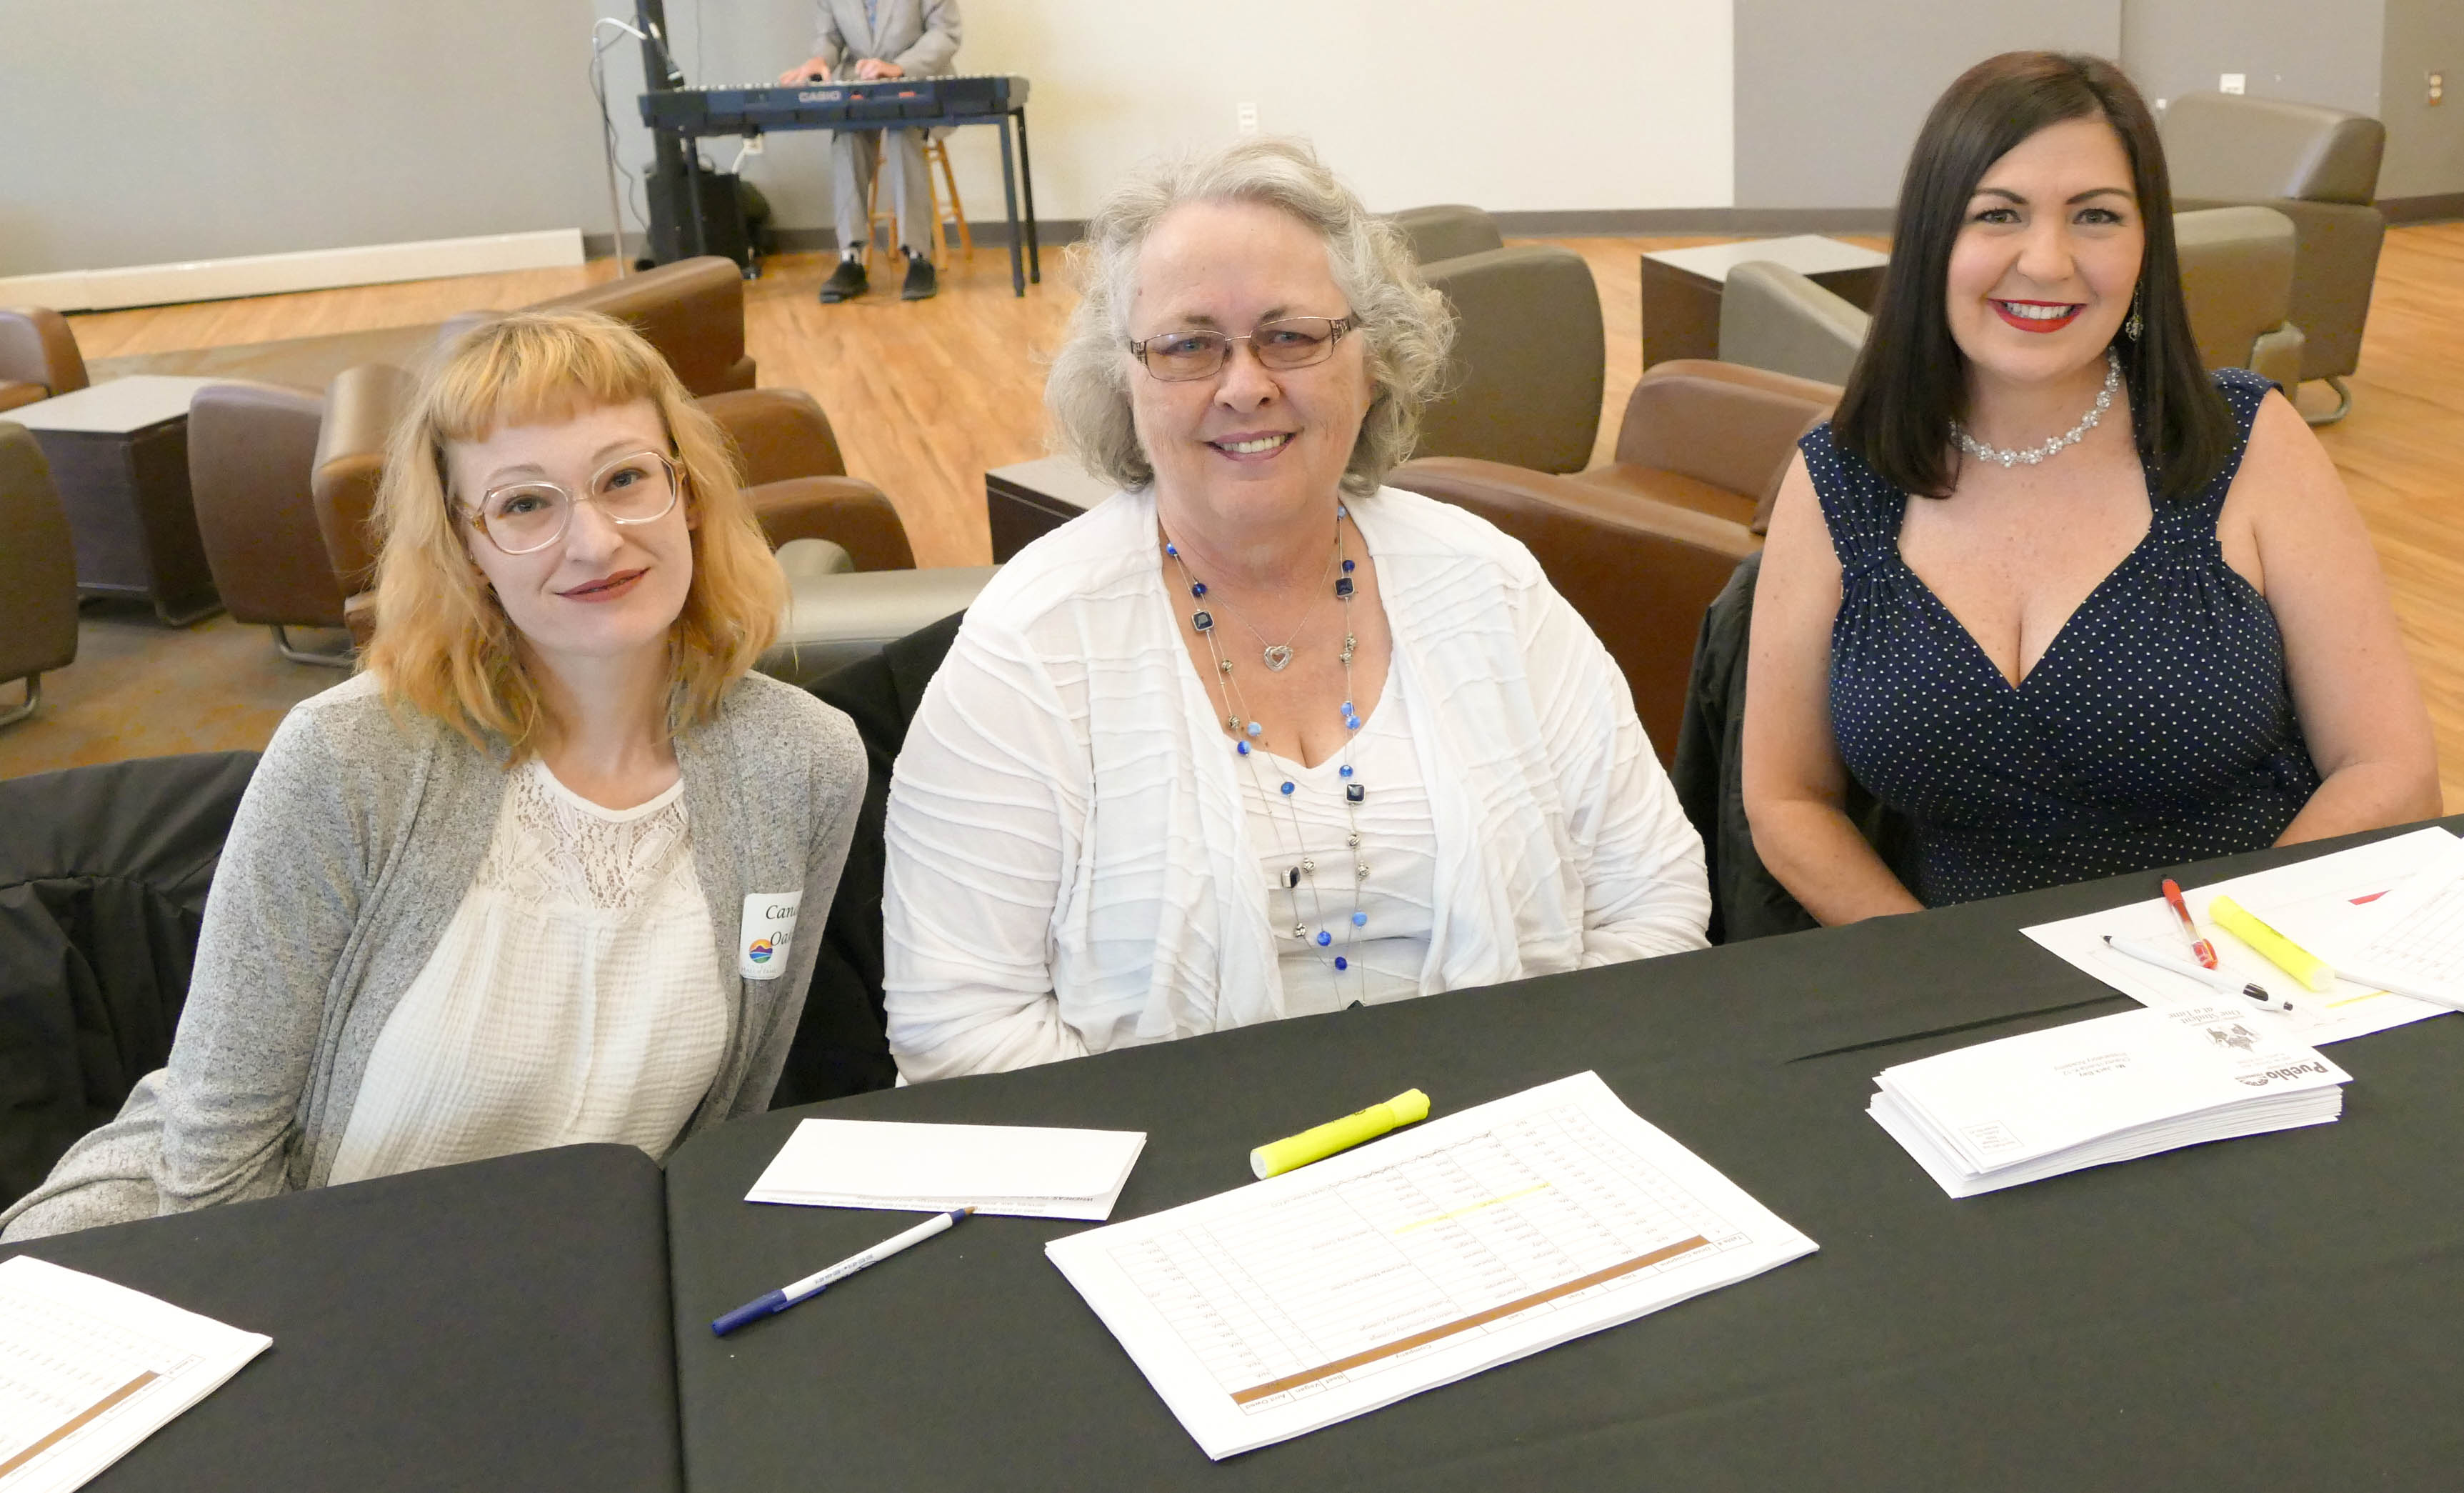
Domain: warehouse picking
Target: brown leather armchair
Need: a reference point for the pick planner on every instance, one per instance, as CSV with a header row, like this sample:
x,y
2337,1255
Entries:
x,y
793,470
252,447
38,593
1642,574
1641,546
2317,166
1529,359
691,311
39,356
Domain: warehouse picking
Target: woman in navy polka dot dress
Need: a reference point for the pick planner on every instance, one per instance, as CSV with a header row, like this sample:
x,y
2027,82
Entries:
x,y
2129,618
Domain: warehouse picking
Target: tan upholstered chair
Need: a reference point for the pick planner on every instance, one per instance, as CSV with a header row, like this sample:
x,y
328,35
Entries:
x,y
38,593
1772,317
39,356
1529,359
1447,232
2317,166
2237,278
1641,545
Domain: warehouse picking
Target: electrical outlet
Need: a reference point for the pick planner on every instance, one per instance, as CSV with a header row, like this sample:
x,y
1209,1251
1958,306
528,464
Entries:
x,y
2160,106
1246,118
2231,83
2437,88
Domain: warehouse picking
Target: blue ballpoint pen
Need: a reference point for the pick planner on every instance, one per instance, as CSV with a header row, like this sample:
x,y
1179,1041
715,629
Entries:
x,y
813,1285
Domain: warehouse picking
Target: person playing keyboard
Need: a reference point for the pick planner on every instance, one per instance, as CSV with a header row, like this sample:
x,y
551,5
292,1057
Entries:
x,y
862,40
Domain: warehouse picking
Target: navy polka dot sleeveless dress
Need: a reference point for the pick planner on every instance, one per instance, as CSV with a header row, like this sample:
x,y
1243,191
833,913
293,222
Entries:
x,y
2157,728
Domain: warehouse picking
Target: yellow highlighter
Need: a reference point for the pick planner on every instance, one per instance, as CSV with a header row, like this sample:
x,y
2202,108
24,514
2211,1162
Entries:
x,y
1407,1107
2312,971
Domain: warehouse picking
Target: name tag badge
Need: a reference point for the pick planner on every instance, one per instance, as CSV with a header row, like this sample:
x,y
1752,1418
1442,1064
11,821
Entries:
x,y
769,923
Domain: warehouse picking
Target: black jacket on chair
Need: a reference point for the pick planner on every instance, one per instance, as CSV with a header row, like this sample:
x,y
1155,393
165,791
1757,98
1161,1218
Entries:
x,y
1747,900
842,1046
104,874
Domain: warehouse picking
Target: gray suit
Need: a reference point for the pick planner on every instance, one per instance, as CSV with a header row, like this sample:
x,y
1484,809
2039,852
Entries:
x,y
921,36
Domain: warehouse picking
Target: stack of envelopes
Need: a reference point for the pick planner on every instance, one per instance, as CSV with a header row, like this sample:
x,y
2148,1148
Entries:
x,y
2111,1089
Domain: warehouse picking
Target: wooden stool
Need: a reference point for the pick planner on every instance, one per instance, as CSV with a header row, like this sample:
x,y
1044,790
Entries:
x,y
935,153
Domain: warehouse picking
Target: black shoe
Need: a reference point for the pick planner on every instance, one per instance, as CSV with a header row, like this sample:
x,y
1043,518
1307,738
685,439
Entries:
x,y
921,281
846,282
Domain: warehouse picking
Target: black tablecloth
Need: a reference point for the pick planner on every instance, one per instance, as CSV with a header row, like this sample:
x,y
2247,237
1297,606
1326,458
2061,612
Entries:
x,y
502,1326
2277,1312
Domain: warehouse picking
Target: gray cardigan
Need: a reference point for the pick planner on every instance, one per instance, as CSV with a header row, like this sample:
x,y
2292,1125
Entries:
x,y
353,848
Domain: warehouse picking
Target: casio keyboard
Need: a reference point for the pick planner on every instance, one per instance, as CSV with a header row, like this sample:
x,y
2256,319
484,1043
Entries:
x,y
906,101
689,114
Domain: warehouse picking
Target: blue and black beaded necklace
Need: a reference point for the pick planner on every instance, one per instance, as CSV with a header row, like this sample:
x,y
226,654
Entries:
x,y
1249,733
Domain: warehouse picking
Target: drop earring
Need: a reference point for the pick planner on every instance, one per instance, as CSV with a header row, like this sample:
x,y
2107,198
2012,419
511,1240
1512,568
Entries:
x,y
2133,328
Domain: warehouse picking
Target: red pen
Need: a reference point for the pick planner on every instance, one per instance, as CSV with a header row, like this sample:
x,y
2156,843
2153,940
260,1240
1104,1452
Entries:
x,y
2200,948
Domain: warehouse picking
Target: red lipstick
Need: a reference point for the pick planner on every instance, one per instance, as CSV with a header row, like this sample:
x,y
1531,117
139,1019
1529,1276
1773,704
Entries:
x,y
2069,314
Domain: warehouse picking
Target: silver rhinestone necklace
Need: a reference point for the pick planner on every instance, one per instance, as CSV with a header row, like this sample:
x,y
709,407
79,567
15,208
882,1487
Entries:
x,y
2029,455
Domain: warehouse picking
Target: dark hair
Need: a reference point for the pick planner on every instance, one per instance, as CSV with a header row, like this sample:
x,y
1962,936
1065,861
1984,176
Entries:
x,y
1910,381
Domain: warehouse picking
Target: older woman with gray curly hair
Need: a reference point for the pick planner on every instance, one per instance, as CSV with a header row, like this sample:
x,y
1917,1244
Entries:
x,y
1259,736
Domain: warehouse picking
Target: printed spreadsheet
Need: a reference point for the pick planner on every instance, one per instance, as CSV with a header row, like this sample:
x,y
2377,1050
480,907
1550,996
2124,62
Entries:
x,y
1433,1254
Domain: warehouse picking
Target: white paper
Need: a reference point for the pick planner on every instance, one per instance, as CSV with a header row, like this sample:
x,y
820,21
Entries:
x,y
89,1369
2318,904
1280,1308
2414,935
1017,1170
2026,1108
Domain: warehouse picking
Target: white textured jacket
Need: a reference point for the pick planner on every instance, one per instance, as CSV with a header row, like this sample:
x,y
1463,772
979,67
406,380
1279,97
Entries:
x,y
1069,865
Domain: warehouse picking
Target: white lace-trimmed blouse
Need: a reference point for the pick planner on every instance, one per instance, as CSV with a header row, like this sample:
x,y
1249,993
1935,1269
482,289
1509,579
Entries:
x,y
575,996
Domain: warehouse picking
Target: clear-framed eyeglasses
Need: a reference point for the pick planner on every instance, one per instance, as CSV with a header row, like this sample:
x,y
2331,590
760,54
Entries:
x,y
525,517
1198,353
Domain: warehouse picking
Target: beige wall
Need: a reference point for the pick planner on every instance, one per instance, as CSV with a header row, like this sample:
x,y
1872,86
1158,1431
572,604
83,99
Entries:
x,y
1830,93
2425,155
1566,105
149,131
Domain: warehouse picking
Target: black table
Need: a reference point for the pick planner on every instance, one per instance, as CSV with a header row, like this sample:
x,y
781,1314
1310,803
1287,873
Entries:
x,y
2277,1311
501,1325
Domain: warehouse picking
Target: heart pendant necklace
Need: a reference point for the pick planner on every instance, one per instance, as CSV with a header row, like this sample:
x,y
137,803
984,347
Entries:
x,y
1278,656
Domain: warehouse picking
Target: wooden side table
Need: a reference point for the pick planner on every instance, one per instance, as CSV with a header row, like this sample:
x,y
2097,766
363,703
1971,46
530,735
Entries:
x,y
1031,498
119,455
1680,287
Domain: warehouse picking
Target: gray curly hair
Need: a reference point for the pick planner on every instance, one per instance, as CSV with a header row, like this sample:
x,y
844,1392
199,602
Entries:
x,y
1406,326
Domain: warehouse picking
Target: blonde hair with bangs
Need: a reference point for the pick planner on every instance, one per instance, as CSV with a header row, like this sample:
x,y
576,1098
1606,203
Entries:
x,y
443,645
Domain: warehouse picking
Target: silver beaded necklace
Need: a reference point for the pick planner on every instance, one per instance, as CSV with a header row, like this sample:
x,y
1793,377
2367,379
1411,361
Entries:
x,y
1248,732
2029,455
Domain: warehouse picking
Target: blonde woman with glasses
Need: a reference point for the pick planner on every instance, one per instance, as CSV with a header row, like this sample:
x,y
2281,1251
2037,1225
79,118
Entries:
x,y
534,877
1259,736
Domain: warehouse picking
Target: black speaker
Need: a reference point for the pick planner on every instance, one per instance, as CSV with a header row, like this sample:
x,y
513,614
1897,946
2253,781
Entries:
x,y
682,227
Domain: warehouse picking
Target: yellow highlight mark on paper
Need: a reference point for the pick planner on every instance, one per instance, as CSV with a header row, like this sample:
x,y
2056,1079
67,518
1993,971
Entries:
x,y
1486,1202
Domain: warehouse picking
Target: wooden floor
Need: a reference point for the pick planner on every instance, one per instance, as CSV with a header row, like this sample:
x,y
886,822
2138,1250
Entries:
x,y
927,395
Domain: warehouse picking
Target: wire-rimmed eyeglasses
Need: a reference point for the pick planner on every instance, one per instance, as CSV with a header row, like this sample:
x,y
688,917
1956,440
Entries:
x,y
1200,353
525,517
